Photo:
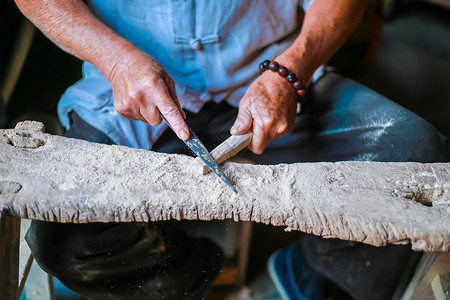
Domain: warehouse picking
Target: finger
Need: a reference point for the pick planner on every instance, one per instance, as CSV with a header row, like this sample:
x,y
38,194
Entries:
x,y
243,121
151,115
177,102
172,113
127,109
259,141
173,94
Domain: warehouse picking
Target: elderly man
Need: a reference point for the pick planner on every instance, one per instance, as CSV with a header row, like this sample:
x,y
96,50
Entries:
x,y
199,62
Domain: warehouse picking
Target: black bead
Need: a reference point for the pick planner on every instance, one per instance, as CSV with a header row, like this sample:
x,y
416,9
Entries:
x,y
266,64
292,77
261,67
274,66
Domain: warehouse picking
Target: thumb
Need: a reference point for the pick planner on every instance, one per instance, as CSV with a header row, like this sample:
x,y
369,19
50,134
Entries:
x,y
243,122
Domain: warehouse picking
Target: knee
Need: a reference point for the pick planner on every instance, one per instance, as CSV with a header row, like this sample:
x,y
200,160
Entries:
x,y
414,139
397,133
50,244
62,248
430,144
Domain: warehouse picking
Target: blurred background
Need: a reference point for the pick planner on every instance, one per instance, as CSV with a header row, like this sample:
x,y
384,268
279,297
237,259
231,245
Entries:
x,y
401,49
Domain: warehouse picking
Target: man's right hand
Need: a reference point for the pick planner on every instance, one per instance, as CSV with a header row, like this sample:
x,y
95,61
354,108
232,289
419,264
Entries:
x,y
142,89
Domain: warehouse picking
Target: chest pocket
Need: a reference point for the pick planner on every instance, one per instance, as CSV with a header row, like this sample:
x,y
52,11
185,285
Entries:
x,y
273,21
142,9
121,13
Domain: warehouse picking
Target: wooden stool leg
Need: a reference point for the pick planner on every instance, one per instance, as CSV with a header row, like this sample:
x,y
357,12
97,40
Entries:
x,y
246,236
9,256
421,270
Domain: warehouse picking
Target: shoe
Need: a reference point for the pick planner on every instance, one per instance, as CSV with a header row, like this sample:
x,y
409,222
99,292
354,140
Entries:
x,y
294,277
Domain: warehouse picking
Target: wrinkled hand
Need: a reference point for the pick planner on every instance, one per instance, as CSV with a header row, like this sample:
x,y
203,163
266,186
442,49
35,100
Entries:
x,y
142,89
268,108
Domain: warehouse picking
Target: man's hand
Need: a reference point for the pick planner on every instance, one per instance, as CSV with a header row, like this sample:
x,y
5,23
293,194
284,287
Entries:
x,y
142,90
268,108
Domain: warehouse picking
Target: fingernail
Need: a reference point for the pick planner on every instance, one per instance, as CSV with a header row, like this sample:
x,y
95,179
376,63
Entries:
x,y
184,134
235,128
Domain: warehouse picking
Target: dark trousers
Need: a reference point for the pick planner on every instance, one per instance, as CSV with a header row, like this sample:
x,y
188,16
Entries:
x,y
342,121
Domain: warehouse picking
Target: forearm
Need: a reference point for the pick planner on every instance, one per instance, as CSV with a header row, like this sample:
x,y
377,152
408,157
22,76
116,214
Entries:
x,y
71,26
325,28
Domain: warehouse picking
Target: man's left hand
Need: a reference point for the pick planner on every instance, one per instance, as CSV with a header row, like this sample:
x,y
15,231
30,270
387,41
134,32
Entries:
x,y
268,108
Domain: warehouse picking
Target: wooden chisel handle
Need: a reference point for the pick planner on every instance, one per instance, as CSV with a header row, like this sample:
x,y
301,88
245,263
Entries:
x,y
227,149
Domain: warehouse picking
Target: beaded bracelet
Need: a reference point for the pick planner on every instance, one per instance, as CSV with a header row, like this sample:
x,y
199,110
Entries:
x,y
284,72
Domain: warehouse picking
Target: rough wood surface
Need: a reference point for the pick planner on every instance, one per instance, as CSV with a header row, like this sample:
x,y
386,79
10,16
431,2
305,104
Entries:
x,y
68,180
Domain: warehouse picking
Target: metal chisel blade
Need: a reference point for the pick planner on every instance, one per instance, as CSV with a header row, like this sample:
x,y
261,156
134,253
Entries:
x,y
200,150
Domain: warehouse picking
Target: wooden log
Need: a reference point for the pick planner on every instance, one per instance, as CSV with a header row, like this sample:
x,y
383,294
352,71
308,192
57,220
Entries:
x,y
69,180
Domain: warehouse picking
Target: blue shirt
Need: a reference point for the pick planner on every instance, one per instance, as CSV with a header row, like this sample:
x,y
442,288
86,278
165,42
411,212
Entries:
x,y
211,49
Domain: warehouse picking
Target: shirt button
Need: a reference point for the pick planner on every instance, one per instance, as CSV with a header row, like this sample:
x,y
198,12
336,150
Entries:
x,y
205,97
195,44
